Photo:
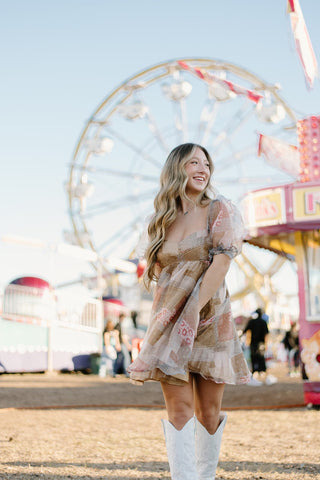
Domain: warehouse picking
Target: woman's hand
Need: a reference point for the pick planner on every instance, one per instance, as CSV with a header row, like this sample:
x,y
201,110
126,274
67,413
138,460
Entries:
x,y
213,278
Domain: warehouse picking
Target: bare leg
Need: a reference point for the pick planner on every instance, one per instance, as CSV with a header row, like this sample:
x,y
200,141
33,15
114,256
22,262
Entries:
x,y
179,403
179,431
208,398
209,425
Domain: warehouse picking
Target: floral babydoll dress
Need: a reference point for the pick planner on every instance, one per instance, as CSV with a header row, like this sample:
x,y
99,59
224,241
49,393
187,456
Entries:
x,y
179,340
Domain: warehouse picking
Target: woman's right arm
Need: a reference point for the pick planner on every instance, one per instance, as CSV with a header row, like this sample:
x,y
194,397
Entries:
x,y
106,337
213,278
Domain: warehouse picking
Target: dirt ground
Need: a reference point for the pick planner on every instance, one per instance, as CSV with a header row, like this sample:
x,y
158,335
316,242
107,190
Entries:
x,y
75,426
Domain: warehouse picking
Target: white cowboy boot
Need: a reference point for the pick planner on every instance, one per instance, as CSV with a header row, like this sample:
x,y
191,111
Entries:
x,y
181,450
208,449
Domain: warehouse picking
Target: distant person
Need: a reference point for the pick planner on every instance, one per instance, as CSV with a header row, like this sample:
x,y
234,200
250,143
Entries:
x,y
291,344
124,356
111,348
134,316
257,332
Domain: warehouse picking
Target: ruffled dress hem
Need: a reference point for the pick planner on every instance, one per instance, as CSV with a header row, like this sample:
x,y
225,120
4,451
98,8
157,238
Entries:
x,y
139,378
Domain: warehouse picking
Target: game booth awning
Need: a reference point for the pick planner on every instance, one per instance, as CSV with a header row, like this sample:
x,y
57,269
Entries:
x,y
286,220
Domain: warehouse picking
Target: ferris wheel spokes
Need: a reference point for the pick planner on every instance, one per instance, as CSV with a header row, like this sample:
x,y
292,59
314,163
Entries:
x,y
123,232
156,131
208,123
117,173
237,121
134,148
117,203
238,156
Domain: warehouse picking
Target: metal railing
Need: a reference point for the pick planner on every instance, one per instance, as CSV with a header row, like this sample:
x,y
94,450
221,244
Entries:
x,y
43,306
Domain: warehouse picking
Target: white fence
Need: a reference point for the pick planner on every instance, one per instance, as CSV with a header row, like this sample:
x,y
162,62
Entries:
x,y
43,306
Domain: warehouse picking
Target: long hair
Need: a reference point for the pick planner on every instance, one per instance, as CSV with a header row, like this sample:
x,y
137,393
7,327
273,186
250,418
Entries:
x,y
173,182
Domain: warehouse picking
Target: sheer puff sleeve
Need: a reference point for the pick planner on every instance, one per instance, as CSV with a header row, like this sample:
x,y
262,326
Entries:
x,y
227,228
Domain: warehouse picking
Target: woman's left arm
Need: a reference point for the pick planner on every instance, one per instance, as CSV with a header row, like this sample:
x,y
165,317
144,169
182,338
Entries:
x,y
213,278
117,340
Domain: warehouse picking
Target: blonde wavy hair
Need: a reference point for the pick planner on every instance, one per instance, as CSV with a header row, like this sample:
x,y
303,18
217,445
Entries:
x,y
173,182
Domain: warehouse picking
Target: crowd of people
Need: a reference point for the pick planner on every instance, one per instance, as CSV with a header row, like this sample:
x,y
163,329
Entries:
x,y
117,353
259,347
117,348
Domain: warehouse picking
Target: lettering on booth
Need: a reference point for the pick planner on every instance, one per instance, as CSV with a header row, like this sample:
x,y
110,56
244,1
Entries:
x,y
306,202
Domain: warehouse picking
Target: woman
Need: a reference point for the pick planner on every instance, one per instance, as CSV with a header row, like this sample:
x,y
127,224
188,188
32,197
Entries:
x,y
291,344
191,345
111,348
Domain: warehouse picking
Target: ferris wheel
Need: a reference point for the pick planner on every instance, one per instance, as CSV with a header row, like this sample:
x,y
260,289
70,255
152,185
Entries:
x,y
114,172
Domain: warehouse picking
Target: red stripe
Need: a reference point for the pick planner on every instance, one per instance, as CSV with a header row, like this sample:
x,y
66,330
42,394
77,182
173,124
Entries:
x,y
260,144
255,97
291,6
199,73
230,85
184,65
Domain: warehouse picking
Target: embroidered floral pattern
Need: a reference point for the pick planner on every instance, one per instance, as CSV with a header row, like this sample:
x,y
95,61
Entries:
x,y
165,316
186,333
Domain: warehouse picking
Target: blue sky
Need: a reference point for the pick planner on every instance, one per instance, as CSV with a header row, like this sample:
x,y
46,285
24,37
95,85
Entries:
x,y
60,59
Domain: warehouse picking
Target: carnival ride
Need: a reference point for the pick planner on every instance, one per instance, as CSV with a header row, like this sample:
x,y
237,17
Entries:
x,y
115,168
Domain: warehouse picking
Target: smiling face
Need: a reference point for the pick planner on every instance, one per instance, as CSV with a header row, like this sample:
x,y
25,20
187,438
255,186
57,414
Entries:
x,y
198,172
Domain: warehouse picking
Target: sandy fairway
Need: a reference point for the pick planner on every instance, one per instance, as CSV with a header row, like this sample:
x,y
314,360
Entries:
x,y
102,429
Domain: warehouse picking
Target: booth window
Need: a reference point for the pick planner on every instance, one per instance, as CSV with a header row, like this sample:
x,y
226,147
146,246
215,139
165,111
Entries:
x,y
311,248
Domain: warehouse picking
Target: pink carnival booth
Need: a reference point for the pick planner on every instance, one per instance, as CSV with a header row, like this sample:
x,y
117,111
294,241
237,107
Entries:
x,y
36,335
286,220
